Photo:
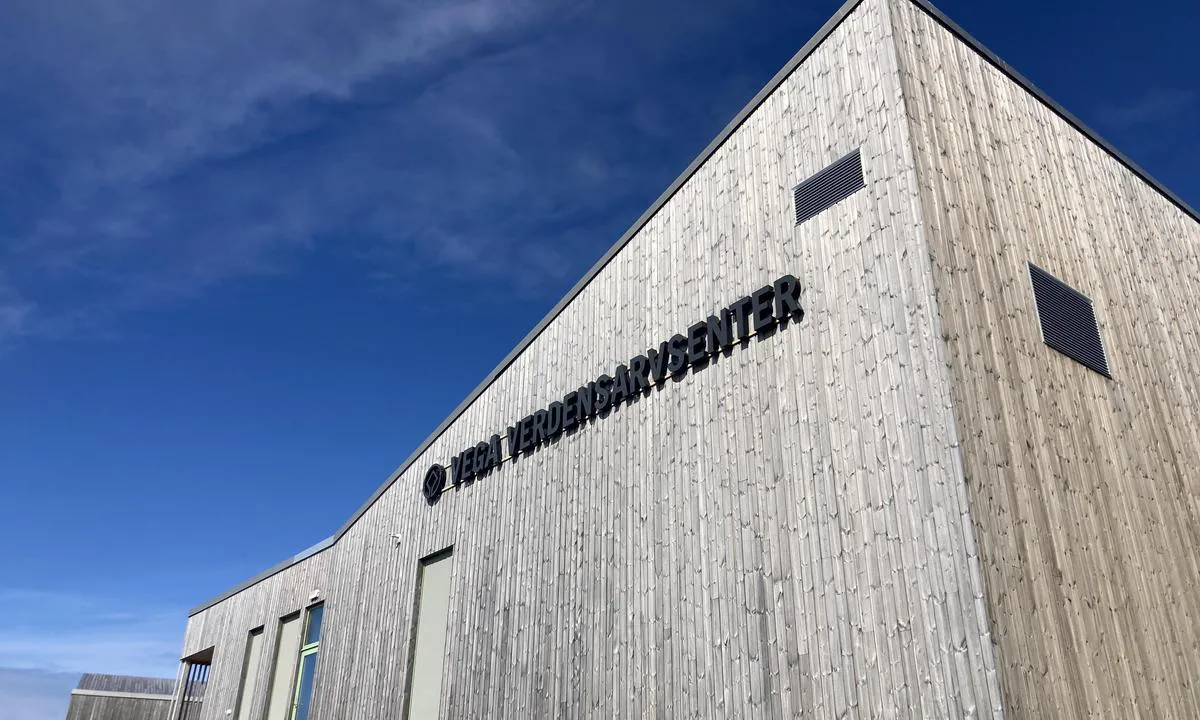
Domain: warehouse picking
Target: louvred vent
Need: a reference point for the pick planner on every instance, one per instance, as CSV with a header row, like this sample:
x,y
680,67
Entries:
x,y
829,187
1068,320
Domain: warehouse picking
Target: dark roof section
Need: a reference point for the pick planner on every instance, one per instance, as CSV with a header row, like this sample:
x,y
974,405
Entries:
x,y
815,42
127,684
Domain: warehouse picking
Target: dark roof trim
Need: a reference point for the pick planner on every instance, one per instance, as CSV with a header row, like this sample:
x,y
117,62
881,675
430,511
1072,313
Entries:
x,y
809,47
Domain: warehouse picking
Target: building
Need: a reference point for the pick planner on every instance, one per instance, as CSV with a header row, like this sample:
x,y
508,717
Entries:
x,y
886,408
121,697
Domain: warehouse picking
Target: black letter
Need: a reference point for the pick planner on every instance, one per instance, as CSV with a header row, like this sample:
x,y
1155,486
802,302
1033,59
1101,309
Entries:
x,y
720,332
570,411
787,298
481,458
526,433
658,363
539,427
467,464
603,393
696,336
456,467
620,391
741,311
639,368
678,360
764,308
513,434
587,401
554,419
493,452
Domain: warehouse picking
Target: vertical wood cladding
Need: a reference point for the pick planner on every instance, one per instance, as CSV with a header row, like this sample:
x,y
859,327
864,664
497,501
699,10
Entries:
x,y
784,533
99,707
1084,489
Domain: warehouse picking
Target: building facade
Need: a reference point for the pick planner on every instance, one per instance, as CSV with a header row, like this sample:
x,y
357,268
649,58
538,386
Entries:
x,y
121,697
886,408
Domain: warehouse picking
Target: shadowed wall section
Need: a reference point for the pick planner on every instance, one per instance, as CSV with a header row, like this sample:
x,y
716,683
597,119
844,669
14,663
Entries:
x,y
1084,489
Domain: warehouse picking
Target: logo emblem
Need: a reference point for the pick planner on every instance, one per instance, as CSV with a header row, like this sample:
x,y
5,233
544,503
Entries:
x,y
435,482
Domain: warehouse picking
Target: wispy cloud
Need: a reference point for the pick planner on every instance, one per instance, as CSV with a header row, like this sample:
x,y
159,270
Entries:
x,y
1155,107
167,151
156,150
61,632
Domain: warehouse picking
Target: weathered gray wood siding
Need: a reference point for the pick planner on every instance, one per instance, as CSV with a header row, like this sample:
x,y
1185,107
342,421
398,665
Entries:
x,y
1084,490
100,707
134,684
784,533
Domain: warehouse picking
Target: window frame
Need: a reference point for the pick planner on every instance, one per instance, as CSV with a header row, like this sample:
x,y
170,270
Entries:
x,y
306,649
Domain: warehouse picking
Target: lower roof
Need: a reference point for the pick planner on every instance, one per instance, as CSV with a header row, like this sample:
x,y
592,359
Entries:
x,y
129,684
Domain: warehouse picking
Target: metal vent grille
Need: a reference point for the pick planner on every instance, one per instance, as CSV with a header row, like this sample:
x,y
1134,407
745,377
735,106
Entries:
x,y
829,187
1068,320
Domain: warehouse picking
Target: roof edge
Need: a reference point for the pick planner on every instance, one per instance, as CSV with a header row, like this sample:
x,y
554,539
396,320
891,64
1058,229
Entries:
x,y
809,47
122,694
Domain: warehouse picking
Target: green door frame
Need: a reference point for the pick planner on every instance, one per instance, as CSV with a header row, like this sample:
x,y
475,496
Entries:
x,y
305,650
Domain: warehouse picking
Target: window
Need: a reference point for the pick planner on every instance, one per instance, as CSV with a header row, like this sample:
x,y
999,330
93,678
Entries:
x,y
308,662
287,654
424,699
250,671
195,681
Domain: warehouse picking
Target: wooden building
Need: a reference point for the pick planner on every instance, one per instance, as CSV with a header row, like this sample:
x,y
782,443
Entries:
x,y
121,697
886,408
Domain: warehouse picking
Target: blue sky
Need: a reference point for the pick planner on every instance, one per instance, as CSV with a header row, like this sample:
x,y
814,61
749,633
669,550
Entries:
x,y
220,222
